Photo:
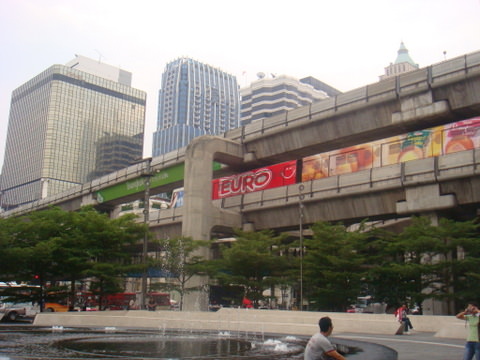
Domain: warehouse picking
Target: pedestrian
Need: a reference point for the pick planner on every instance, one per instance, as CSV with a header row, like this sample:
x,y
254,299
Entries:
x,y
319,346
151,306
402,317
471,316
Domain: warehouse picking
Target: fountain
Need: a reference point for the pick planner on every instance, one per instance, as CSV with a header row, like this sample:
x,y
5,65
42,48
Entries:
x,y
35,343
40,343
224,334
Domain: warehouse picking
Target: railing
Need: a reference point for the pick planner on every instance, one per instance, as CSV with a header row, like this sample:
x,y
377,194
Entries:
x,y
404,84
408,174
391,88
131,172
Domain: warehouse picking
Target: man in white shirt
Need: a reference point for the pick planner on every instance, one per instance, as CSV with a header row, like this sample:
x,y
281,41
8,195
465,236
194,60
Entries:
x,y
319,347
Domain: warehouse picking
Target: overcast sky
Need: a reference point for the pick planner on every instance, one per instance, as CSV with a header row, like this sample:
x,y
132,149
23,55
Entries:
x,y
345,43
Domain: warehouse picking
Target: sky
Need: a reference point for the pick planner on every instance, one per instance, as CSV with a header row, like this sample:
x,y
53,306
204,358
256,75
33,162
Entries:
x,y
344,43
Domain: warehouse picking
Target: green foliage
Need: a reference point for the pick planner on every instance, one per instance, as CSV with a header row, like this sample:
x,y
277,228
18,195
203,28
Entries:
x,y
423,261
420,262
333,266
256,261
431,259
58,245
182,258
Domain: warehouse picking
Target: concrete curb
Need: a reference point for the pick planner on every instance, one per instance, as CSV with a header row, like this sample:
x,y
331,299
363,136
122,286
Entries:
x,y
266,321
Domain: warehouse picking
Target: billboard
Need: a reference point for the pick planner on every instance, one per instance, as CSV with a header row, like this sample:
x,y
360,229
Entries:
x,y
163,177
420,144
255,180
158,178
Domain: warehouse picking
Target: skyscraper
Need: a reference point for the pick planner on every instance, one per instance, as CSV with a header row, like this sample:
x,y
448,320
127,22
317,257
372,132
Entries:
x,y
68,126
195,99
269,96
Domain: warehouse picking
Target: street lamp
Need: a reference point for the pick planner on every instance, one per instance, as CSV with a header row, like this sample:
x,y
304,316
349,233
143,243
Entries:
x,y
300,209
146,219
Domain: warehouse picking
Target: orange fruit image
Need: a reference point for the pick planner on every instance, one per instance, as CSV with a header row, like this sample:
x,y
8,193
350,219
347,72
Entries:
x,y
458,143
410,153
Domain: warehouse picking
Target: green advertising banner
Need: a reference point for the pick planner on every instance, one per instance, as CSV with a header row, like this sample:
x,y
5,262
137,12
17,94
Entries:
x,y
163,177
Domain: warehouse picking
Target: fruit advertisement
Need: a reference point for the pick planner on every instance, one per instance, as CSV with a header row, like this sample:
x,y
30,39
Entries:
x,y
458,136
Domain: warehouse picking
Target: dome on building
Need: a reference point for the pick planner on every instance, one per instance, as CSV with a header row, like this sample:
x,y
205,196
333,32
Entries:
x,y
403,56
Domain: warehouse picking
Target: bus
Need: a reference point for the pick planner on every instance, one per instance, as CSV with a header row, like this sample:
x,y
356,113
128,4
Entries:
x,y
87,301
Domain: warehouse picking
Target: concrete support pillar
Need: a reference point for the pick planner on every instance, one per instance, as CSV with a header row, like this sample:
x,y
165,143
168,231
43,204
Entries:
x,y
248,226
200,215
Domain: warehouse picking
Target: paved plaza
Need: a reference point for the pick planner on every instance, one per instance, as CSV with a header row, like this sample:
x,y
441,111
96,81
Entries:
x,y
435,338
416,346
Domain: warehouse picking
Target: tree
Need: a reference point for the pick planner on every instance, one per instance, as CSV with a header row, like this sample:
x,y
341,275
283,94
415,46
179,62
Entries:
x,y
388,278
11,260
425,261
255,261
333,267
466,274
110,248
57,245
181,260
454,262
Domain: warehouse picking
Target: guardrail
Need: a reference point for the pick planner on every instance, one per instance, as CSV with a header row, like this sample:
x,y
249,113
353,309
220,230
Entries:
x,y
131,172
393,88
412,173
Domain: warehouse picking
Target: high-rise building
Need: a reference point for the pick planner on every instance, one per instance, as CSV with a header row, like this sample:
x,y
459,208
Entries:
x,y
100,69
403,63
195,99
67,125
269,96
321,86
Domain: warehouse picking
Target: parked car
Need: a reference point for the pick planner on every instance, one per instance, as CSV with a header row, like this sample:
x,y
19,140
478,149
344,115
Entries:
x,y
11,311
55,307
417,310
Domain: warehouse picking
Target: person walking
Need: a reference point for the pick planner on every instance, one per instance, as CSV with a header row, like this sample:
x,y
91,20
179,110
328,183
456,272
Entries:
x,y
402,317
471,316
319,346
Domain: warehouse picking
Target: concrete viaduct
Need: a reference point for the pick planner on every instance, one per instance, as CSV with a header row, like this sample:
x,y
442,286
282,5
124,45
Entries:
x,y
441,186
435,95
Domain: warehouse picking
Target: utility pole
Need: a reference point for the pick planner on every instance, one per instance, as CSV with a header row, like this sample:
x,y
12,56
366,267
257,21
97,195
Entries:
x,y
300,208
147,175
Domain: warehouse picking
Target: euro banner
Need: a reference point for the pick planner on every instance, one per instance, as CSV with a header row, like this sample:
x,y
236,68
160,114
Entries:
x,y
267,177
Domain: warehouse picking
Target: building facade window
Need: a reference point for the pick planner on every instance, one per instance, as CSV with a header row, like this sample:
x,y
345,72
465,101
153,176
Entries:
x,y
197,106
67,126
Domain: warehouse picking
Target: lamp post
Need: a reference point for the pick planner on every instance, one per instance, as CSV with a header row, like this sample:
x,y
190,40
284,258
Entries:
x,y
300,209
146,219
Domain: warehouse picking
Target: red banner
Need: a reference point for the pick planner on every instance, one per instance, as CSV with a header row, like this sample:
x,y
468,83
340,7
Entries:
x,y
255,180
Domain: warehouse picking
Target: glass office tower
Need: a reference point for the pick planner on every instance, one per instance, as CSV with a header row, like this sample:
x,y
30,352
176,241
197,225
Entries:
x,y
68,126
195,99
